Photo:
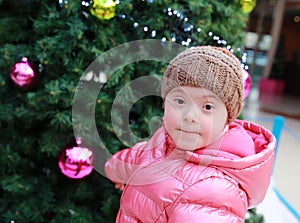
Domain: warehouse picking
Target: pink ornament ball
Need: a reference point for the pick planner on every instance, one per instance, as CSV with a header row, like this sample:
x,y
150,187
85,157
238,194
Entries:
x,y
247,83
76,162
23,74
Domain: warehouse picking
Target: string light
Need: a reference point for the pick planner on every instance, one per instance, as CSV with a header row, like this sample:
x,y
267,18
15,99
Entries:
x,y
186,28
153,33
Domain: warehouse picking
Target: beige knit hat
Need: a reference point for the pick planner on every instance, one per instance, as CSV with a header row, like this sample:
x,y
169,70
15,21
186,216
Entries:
x,y
213,68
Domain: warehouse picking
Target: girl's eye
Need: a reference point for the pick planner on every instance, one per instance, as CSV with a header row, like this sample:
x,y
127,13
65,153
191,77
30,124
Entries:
x,y
208,107
179,101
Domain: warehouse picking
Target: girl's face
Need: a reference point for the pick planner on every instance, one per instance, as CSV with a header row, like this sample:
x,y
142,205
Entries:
x,y
194,117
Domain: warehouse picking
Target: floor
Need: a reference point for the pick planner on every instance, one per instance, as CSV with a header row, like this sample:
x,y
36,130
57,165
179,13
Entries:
x,y
262,108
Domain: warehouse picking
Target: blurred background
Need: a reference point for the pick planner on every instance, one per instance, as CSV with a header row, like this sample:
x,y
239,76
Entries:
x,y
273,54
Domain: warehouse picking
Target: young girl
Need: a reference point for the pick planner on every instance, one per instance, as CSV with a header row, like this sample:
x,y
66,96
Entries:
x,y
201,165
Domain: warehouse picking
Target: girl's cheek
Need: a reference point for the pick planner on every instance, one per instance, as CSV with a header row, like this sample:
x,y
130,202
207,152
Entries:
x,y
171,115
207,125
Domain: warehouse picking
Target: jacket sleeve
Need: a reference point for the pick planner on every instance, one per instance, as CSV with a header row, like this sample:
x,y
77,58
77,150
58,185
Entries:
x,y
120,167
130,165
214,199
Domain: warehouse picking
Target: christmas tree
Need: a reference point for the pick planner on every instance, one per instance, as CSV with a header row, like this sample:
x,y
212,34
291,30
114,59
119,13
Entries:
x,y
42,119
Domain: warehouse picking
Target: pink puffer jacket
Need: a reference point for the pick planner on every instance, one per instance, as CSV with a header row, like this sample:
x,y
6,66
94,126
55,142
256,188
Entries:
x,y
215,184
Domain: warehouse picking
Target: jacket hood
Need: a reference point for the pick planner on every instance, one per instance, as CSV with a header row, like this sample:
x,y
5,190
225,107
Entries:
x,y
253,172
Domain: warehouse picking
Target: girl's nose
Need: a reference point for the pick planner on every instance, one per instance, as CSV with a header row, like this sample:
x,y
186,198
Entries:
x,y
191,115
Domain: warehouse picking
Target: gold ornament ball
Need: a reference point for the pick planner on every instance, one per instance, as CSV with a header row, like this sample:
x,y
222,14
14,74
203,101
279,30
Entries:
x,y
103,9
247,5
